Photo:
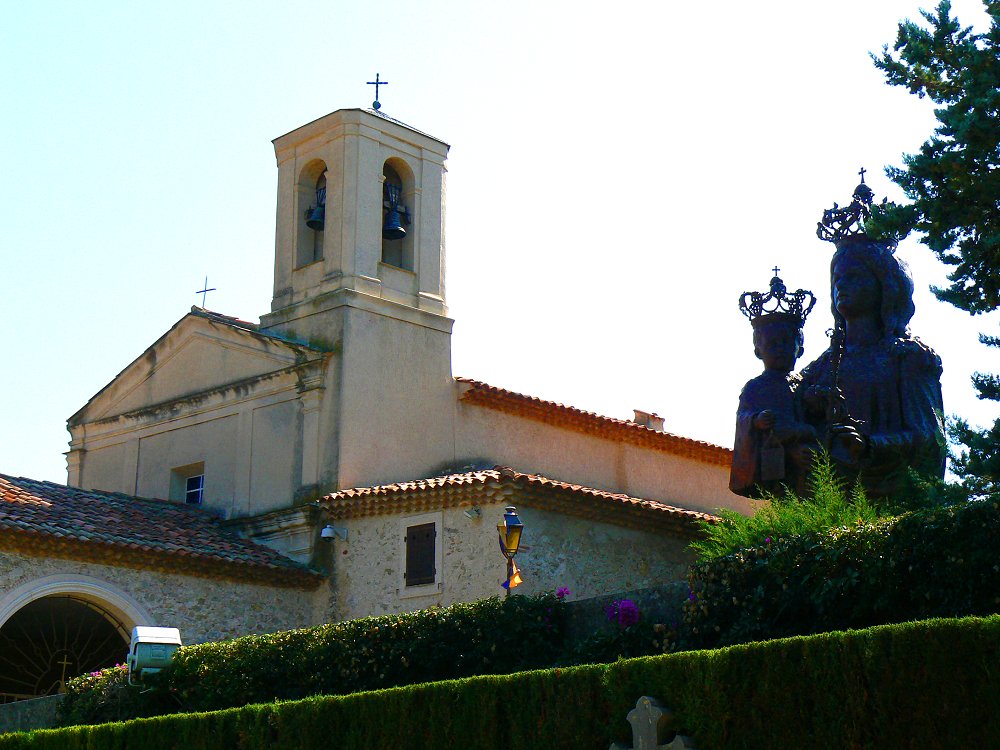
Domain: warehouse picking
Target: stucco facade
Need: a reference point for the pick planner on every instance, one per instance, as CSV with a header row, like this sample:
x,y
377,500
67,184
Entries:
x,y
210,392
615,455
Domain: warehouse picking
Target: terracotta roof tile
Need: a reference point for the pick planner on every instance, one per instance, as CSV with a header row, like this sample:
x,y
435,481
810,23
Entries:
x,y
44,518
503,484
622,430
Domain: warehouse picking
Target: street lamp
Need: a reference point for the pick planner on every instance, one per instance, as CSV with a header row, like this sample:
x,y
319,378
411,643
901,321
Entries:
x,y
510,529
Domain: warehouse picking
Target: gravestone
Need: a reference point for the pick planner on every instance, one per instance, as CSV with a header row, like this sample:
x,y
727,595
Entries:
x,y
650,721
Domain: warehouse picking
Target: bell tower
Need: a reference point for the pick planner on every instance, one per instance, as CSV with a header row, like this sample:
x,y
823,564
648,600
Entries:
x,y
359,273
360,209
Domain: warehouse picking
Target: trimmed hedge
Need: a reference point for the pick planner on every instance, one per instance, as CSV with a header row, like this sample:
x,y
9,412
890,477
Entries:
x,y
490,636
930,685
935,563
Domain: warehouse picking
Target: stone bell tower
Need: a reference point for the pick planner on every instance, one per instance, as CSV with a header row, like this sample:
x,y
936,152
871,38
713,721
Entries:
x,y
359,272
335,177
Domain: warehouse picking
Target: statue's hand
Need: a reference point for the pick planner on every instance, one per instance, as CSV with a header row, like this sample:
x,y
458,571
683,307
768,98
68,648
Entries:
x,y
764,420
848,443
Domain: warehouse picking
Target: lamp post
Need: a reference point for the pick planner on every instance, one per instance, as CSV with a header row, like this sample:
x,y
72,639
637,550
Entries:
x,y
510,529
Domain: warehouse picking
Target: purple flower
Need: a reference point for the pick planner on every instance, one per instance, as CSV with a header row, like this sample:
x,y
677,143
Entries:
x,y
691,595
767,540
624,612
628,613
562,592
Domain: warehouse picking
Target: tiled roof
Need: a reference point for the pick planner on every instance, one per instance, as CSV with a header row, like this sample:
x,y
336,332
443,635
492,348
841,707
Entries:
x,y
44,518
569,417
503,484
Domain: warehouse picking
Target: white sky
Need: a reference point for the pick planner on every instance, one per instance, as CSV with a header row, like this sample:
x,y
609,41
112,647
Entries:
x,y
619,175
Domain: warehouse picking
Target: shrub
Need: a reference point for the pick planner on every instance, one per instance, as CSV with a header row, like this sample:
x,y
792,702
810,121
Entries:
x,y
933,563
828,504
639,639
491,636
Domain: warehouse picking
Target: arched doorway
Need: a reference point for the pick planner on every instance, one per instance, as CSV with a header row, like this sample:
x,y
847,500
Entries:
x,y
54,638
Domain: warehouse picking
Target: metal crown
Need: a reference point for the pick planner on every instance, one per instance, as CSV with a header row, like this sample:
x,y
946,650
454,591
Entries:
x,y
759,305
840,223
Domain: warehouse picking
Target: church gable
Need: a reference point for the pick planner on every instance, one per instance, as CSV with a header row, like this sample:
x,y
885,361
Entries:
x,y
203,352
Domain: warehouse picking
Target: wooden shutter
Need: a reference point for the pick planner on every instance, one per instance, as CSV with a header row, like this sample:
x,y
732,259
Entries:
x,y
420,554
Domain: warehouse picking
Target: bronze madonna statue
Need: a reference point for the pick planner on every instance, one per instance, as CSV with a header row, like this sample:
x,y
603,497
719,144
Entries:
x,y
873,397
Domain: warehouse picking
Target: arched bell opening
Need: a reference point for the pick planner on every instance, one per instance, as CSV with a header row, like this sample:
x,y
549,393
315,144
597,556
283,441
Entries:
x,y
55,638
311,212
397,214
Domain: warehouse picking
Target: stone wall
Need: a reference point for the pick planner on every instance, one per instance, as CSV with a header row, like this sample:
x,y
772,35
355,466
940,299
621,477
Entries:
x,y
591,558
202,609
660,604
23,716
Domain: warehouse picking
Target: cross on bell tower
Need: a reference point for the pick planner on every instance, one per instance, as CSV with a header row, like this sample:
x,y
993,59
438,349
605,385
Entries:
x,y
376,83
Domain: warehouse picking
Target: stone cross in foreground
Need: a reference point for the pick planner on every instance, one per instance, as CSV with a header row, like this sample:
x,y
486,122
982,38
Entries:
x,y
649,720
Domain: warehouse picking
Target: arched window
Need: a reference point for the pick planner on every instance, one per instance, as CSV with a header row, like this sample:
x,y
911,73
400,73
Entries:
x,y
397,239
312,202
316,217
54,638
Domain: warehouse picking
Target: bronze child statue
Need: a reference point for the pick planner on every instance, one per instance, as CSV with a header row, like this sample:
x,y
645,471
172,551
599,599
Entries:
x,y
771,439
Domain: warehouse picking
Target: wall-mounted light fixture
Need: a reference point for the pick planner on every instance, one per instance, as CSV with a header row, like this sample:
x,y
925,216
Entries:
x,y
331,532
473,513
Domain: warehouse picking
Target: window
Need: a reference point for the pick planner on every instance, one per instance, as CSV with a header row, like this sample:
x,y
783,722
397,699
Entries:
x,y
420,568
420,555
194,488
187,484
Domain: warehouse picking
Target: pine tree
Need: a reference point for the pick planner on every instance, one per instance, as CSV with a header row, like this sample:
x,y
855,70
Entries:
x,y
953,184
954,180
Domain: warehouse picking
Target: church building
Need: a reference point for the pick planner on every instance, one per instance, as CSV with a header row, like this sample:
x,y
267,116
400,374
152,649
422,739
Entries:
x,y
325,463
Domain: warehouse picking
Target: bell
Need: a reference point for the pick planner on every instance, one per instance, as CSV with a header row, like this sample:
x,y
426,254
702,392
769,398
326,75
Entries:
x,y
315,217
392,227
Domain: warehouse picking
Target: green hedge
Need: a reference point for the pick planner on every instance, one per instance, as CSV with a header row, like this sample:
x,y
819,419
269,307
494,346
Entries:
x,y
936,563
491,636
927,685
